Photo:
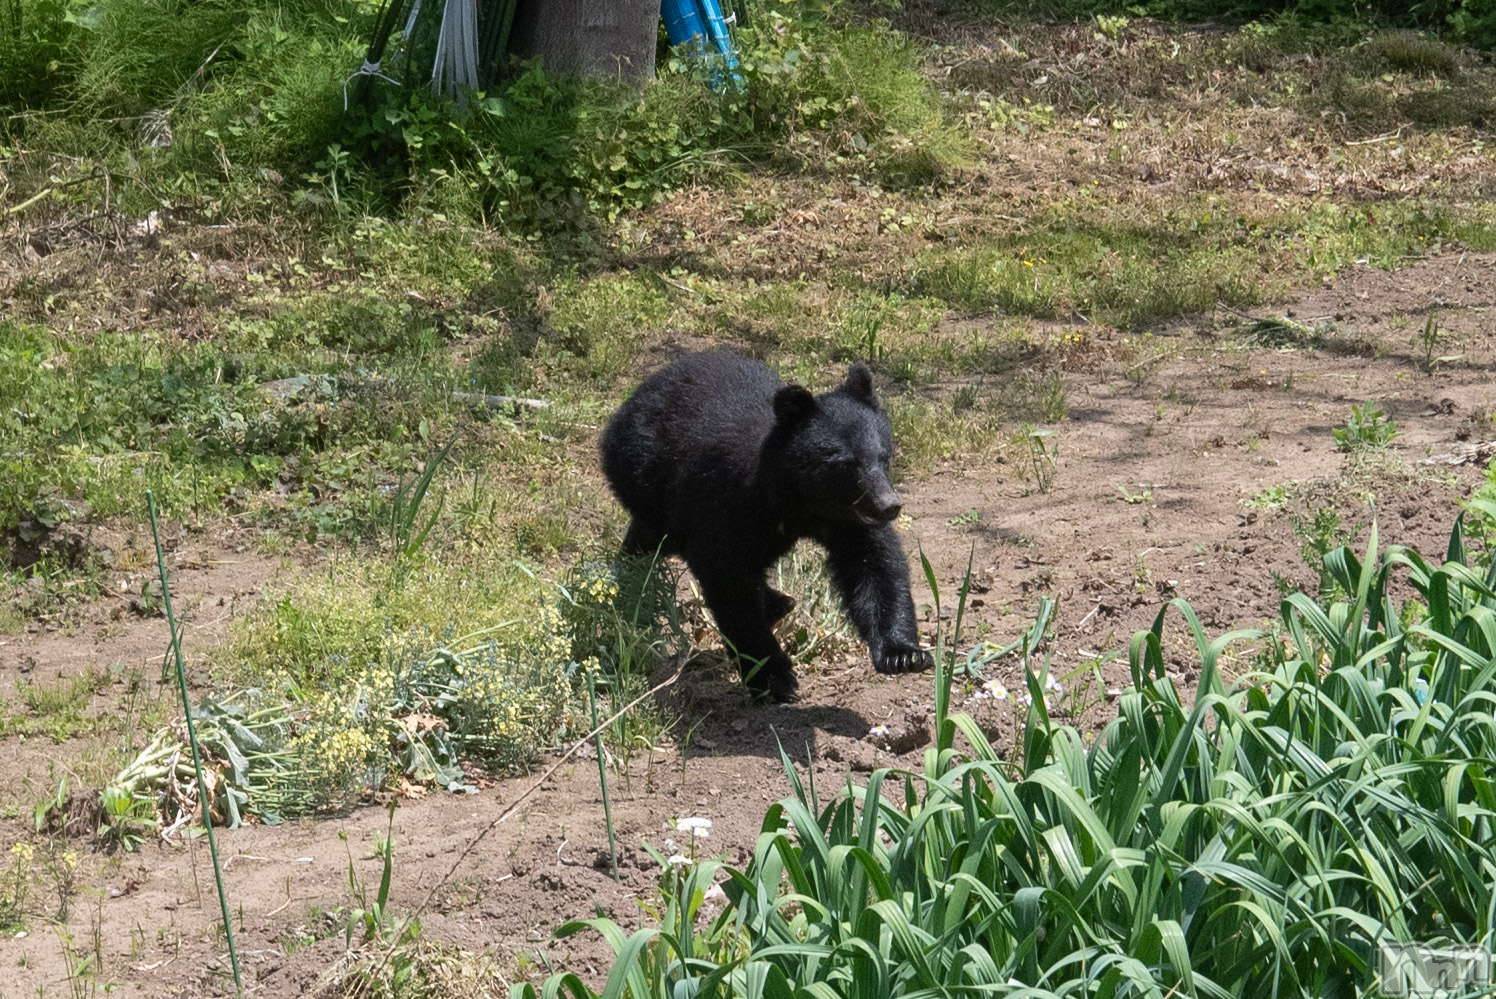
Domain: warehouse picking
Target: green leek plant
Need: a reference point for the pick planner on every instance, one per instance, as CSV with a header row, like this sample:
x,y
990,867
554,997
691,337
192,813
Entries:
x,y
1329,789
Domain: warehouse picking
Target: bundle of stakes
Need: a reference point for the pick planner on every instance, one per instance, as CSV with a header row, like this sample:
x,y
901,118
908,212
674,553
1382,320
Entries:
x,y
454,46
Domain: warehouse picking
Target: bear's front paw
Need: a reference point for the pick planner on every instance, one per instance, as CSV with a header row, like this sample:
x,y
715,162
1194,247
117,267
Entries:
x,y
900,657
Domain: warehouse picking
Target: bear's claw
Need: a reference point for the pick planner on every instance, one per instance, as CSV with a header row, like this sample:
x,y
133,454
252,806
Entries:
x,y
897,657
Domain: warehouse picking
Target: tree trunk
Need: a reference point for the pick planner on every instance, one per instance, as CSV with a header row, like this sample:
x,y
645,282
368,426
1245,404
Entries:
x,y
609,39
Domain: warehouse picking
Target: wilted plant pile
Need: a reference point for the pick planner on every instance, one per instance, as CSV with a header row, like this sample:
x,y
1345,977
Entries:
x,y
1334,795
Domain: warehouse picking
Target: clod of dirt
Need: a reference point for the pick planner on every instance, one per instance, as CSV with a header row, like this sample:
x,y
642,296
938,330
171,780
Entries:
x,y
601,860
913,733
858,756
65,542
77,816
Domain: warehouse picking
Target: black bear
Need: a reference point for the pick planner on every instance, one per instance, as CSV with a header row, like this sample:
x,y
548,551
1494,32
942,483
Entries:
x,y
720,462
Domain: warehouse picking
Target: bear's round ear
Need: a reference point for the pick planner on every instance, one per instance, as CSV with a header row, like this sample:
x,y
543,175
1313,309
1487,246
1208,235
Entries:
x,y
859,384
792,404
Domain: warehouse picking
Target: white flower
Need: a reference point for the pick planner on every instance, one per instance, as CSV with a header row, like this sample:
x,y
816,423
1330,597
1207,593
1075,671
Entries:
x,y
670,845
699,828
877,731
677,860
1050,683
995,690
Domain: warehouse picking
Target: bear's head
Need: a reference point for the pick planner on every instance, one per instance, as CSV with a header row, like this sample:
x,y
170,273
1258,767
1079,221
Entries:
x,y
833,451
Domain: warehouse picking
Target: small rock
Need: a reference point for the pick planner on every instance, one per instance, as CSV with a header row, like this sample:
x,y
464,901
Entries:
x,y
286,389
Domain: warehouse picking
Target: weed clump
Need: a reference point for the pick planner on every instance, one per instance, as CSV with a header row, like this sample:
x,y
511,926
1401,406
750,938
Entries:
x,y
357,681
1410,52
91,420
1367,428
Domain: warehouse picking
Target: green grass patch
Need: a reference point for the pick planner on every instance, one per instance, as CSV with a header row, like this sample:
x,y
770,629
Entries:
x,y
806,328
324,396
601,324
972,422
343,618
1133,268
911,340
57,710
1128,274
1470,21
1410,52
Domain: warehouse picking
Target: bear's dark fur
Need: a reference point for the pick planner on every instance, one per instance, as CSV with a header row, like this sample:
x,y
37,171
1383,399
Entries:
x,y
720,462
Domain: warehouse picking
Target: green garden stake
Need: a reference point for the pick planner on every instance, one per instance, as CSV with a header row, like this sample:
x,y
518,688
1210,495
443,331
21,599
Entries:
x,y
197,763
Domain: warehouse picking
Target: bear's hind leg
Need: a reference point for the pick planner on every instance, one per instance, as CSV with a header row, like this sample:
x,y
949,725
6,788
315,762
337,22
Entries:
x,y
636,565
739,610
777,605
643,539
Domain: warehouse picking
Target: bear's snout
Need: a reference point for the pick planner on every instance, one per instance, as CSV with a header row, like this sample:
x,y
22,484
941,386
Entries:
x,y
880,504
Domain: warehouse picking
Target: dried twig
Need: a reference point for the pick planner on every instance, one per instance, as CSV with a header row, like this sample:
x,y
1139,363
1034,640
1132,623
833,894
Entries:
x,y
500,401
1468,454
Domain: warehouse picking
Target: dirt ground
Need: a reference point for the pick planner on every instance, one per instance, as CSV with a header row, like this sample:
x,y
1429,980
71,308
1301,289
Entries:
x,y
1155,460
